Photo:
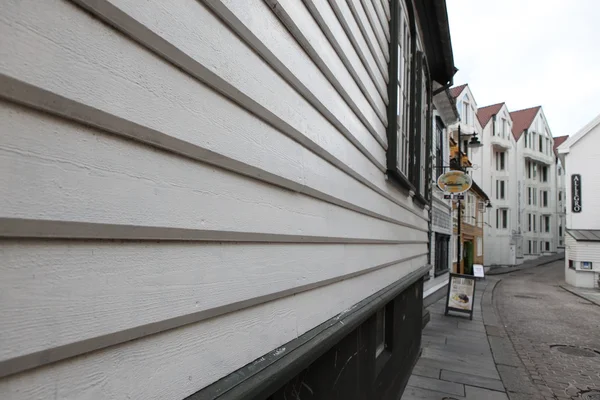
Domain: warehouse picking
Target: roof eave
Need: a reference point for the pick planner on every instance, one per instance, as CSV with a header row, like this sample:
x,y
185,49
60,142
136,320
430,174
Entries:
x,y
433,15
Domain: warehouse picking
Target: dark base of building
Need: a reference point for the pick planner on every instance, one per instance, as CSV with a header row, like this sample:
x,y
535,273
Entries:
x,y
363,354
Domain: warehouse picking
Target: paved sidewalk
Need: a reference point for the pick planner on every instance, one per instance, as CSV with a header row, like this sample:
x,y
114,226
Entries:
x,y
591,295
457,361
527,264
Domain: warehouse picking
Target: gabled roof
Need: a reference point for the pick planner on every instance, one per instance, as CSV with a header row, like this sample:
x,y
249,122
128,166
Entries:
x,y
566,146
522,120
558,141
457,90
484,114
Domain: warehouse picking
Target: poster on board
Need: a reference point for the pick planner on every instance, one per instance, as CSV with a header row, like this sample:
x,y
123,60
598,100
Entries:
x,y
461,294
478,271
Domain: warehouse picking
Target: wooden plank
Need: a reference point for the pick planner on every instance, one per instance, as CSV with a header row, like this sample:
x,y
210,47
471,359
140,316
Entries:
x,y
346,18
96,294
146,101
27,131
383,19
381,56
305,29
386,8
380,27
375,90
179,362
192,28
87,176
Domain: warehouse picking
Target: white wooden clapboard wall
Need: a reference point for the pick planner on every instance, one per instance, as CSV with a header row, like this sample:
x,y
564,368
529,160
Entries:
x,y
186,186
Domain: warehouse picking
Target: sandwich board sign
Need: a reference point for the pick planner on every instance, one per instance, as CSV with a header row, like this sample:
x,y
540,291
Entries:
x,y
461,294
478,271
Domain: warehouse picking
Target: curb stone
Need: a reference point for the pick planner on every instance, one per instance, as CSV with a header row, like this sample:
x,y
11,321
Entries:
x,y
508,270
580,295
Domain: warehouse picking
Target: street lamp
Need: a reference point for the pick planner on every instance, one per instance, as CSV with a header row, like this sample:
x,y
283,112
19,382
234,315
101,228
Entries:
x,y
473,143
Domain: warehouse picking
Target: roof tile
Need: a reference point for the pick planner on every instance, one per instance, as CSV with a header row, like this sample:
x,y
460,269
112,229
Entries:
x,y
558,141
484,114
457,90
522,120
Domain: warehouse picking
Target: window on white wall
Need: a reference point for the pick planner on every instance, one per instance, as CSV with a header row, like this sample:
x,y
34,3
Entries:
x,y
479,246
500,189
500,160
466,117
501,218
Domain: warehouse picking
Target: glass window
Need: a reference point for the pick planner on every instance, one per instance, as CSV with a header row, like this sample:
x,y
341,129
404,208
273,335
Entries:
x,y
442,253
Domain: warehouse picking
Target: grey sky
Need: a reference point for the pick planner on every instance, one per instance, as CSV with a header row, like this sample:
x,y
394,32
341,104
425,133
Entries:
x,y
528,53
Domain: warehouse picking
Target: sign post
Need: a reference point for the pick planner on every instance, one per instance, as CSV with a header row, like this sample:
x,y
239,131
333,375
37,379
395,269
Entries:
x,y
461,294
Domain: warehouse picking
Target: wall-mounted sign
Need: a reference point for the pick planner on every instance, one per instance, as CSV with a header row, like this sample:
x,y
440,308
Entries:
x,y
454,196
461,294
576,193
586,265
454,182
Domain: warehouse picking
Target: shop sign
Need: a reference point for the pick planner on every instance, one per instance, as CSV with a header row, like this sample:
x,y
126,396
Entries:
x,y
576,193
461,294
454,182
586,265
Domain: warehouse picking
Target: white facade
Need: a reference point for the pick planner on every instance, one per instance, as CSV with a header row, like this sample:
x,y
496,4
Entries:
x,y
561,204
198,185
580,154
498,158
537,187
441,239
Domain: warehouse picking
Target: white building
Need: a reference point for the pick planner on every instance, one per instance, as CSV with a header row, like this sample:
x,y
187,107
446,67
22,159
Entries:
x,y
212,197
560,194
497,163
536,182
580,154
444,114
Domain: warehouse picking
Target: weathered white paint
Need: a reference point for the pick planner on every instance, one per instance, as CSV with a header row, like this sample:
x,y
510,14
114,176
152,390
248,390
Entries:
x,y
156,103
88,176
107,288
176,363
179,128
305,30
379,52
333,29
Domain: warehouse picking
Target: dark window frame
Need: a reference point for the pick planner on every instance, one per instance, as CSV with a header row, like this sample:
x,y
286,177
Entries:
x,y
418,177
439,146
442,254
382,357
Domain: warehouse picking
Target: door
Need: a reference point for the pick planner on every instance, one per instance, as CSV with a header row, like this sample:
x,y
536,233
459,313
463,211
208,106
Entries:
x,y
468,257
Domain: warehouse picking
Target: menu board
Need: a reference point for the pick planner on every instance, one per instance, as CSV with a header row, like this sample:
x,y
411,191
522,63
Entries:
x,y
461,294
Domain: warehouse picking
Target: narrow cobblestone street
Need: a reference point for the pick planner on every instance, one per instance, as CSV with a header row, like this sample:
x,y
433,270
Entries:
x,y
555,333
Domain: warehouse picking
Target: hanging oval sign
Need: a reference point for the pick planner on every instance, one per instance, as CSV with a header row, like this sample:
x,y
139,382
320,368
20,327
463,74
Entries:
x,y
454,182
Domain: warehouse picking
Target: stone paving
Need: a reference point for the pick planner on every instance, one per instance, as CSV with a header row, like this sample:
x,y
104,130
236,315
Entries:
x,y
539,315
457,362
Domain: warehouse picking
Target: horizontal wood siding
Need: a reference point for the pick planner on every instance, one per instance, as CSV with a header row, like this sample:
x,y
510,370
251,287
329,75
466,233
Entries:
x,y
189,187
583,251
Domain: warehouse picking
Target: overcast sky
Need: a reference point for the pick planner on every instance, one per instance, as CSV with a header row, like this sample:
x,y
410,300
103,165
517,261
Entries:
x,y
528,53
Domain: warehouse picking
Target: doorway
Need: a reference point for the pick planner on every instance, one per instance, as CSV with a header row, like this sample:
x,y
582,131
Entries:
x,y
468,256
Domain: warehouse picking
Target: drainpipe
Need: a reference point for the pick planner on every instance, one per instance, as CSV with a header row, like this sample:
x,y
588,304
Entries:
x,y
459,223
